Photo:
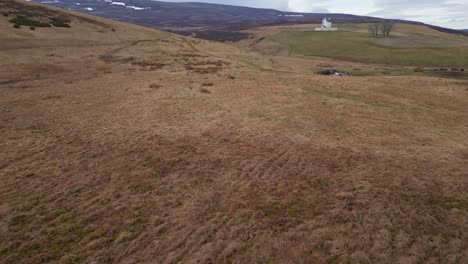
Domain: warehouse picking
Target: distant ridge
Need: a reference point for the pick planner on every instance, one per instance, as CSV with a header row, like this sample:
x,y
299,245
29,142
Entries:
x,y
176,17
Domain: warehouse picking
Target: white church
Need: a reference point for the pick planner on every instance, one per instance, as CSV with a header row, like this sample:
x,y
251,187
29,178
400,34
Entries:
x,y
326,25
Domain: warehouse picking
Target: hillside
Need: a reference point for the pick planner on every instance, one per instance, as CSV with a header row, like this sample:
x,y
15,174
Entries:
x,y
161,14
125,144
408,45
84,29
207,21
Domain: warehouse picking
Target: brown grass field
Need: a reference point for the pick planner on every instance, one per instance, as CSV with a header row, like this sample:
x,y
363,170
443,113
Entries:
x,y
137,146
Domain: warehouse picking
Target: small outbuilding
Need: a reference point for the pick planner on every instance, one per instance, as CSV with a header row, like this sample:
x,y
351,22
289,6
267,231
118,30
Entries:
x,y
327,25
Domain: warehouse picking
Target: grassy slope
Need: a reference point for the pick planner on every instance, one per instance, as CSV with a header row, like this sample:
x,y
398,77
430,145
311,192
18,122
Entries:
x,y
85,29
105,161
404,48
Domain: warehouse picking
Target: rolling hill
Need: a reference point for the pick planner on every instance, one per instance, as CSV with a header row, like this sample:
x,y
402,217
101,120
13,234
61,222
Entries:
x,y
126,144
160,14
210,21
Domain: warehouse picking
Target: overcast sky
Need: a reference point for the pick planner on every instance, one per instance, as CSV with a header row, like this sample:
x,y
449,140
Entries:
x,y
446,13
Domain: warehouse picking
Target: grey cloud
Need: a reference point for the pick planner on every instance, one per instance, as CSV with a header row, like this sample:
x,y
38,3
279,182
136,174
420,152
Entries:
x,y
320,10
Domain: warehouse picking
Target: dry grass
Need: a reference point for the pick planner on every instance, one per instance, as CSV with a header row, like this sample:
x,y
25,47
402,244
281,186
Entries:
x,y
278,166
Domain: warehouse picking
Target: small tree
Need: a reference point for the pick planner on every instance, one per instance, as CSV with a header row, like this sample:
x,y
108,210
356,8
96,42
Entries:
x,y
384,27
374,29
387,28
371,30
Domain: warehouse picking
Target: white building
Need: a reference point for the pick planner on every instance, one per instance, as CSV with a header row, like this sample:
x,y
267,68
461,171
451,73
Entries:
x,y
327,25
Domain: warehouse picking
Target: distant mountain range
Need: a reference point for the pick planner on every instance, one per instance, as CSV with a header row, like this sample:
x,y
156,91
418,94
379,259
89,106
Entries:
x,y
178,17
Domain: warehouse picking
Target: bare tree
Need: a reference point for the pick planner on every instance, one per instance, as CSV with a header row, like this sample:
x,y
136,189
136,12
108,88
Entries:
x,y
387,28
371,30
374,29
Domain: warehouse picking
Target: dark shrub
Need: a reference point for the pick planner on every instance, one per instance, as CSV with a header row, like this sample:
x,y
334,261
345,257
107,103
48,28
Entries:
x,y
32,28
59,22
155,86
206,91
56,24
60,19
24,21
16,26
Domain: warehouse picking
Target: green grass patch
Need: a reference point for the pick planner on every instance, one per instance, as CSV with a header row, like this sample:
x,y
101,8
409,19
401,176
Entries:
x,y
364,48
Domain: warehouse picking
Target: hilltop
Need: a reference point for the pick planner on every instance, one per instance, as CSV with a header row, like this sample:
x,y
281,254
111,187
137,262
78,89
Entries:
x,y
125,144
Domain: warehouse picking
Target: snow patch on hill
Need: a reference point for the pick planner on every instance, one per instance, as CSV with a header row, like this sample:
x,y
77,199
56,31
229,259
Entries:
x,y
118,3
125,5
138,8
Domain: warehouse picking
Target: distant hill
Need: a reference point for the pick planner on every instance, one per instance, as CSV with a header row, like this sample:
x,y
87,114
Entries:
x,y
214,19
164,14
